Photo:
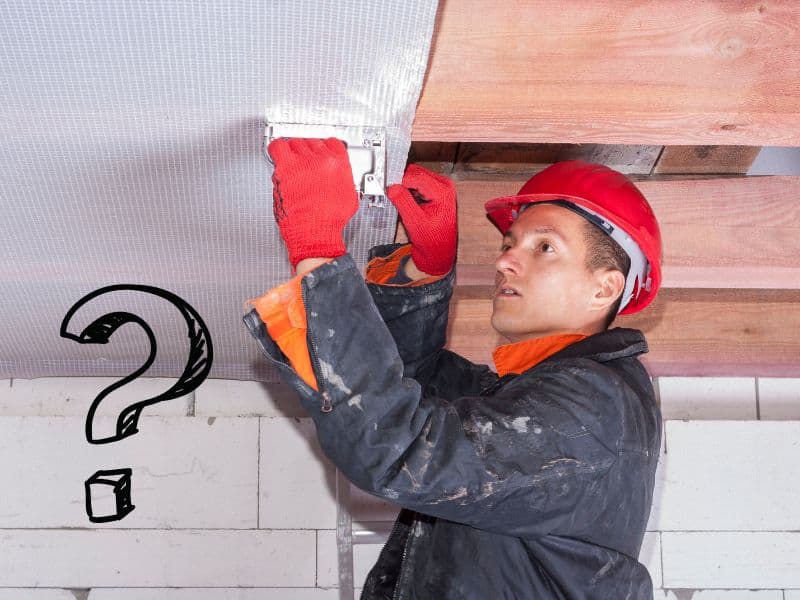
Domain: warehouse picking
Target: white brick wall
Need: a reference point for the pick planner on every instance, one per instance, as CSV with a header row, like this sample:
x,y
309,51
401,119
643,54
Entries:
x,y
779,398
235,501
707,398
32,594
733,559
157,558
214,594
72,396
188,472
729,476
692,594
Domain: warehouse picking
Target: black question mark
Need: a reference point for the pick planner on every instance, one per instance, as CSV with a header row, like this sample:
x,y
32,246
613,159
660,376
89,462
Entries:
x,y
197,367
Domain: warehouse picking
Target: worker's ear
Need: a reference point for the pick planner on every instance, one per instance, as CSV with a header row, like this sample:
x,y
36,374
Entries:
x,y
609,285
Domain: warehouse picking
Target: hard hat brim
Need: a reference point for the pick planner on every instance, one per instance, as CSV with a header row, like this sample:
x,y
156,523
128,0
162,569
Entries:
x,y
504,211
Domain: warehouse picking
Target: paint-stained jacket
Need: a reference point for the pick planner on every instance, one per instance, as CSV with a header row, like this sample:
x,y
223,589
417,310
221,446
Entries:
x,y
525,487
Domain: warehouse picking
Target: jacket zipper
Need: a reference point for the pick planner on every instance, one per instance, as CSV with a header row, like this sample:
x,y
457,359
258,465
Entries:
x,y
403,558
496,385
326,405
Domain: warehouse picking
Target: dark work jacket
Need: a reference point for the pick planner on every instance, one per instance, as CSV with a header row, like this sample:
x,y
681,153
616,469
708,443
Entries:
x,y
530,486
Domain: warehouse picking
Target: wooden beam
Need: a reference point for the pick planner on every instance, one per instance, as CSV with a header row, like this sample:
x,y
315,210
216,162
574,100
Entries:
x,y
436,156
741,232
527,159
614,71
690,332
706,159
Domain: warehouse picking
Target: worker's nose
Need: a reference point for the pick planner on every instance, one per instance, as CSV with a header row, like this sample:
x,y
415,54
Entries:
x,y
507,262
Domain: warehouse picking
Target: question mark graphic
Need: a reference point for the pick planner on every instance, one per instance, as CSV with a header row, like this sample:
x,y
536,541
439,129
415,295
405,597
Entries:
x,y
197,367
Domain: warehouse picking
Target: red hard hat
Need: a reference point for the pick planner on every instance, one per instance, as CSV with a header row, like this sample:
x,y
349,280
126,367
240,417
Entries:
x,y
609,200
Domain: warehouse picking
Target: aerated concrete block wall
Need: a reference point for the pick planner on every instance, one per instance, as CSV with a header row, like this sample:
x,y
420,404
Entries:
x,y
234,500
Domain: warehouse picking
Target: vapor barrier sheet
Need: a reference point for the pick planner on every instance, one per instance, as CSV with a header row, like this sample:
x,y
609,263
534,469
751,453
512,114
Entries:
x,y
131,145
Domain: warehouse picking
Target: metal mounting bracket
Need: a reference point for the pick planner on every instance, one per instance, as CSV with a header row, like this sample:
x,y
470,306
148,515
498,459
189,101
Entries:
x,y
366,148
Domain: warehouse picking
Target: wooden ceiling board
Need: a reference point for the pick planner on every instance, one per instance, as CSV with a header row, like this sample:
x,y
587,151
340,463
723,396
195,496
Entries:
x,y
697,332
739,232
706,159
614,72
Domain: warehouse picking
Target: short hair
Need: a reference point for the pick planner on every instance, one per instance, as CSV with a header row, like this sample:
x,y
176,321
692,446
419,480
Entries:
x,y
602,252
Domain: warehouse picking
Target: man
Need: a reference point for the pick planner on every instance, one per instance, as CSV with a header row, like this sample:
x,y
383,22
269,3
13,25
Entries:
x,y
532,482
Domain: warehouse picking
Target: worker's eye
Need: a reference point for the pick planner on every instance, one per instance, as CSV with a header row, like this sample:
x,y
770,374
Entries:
x,y
505,246
546,247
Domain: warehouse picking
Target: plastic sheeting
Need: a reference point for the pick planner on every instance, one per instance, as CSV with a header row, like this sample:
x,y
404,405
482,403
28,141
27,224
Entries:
x,y
131,145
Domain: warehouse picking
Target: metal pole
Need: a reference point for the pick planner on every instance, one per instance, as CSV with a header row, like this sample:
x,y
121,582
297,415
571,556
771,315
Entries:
x,y
344,537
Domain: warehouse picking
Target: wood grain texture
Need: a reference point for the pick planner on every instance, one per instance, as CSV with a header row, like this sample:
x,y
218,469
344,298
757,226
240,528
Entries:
x,y
614,71
436,156
695,332
706,159
527,159
741,232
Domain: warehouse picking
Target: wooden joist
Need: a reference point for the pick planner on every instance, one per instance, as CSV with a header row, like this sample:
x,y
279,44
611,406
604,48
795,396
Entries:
x,y
527,159
614,71
690,332
715,160
741,232
480,158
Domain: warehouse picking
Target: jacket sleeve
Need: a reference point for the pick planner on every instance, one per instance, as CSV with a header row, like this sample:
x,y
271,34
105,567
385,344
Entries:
x,y
415,314
517,462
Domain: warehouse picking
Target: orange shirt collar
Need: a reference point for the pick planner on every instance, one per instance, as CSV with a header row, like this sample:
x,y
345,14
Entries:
x,y
521,356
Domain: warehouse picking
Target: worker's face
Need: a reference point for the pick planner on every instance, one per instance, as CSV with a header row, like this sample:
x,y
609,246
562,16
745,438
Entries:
x,y
542,285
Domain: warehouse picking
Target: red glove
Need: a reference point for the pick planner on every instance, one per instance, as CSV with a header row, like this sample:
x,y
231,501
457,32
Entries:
x,y
427,205
313,196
